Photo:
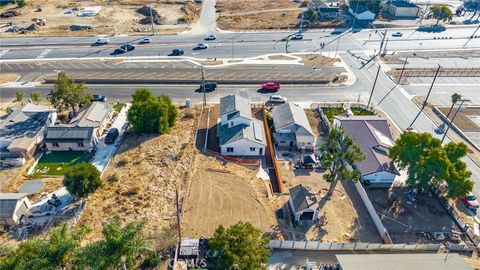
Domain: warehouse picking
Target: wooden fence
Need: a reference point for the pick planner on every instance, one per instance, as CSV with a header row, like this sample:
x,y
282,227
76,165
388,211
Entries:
x,y
271,148
234,159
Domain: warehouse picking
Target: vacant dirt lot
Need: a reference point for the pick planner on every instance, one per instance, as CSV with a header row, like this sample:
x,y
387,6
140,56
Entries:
x,y
115,17
251,14
141,179
465,119
223,194
343,218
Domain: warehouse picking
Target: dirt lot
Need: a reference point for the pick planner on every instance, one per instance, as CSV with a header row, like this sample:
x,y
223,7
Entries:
x,y
8,77
343,218
223,194
402,219
464,119
149,169
115,17
251,14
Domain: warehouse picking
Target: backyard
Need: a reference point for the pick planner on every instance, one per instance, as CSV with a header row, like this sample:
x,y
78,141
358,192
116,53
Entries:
x,y
56,163
331,112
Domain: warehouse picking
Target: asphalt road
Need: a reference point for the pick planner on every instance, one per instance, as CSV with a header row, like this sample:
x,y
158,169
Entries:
x,y
237,45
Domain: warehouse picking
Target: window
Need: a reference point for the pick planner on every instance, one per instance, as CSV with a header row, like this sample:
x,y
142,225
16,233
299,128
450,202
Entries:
x,y
80,144
252,149
55,144
229,149
231,124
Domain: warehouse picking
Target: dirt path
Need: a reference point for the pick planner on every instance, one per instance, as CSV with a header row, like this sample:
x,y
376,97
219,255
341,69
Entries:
x,y
263,11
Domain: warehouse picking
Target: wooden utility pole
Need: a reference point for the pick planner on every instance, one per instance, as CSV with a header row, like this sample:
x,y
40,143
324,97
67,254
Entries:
x,y
428,95
151,19
401,73
373,87
453,118
203,87
178,216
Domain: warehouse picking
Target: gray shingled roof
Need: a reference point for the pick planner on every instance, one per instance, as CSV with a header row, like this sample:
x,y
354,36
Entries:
x,y
430,261
402,4
19,124
235,106
68,133
8,202
289,114
92,116
370,132
253,132
302,199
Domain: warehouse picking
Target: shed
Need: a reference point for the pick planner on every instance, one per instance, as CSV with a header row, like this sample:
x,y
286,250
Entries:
x,y
14,208
303,203
402,9
189,248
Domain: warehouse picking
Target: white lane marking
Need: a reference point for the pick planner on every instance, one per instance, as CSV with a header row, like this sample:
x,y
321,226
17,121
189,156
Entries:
x,y
3,52
44,53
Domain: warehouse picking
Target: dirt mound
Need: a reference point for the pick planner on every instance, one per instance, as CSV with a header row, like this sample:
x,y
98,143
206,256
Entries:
x,y
75,27
145,11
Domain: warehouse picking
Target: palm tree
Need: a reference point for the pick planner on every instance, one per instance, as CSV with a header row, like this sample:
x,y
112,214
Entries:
x,y
455,98
339,154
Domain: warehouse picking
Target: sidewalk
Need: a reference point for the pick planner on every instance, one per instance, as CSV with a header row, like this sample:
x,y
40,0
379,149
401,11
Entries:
x,y
105,152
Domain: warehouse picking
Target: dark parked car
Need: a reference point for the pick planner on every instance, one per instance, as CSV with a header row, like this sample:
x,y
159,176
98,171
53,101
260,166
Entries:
x,y
111,136
209,86
128,47
100,98
177,52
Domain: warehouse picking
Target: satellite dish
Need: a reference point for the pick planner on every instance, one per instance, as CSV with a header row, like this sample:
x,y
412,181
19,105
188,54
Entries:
x,y
31,187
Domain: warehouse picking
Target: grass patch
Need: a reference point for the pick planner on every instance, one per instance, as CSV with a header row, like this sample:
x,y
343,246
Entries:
x,y
57,162
360,111
118,106
331,112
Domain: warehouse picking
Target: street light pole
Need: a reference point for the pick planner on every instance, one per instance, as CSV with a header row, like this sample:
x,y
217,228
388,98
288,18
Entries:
x,y
453,118
373,87
428,95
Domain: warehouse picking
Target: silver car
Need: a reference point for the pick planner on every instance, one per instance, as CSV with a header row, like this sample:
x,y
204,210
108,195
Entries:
x,y
42,210
277,99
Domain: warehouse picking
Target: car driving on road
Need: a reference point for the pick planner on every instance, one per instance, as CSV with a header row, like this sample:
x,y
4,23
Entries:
x,y
210,37
128,47
471,202
209,86
397,34
100,98
271,86
297,36
176,52
119,51
102,41
145,40
201,46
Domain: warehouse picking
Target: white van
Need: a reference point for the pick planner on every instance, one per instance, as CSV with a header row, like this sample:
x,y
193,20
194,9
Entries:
x,y
102,40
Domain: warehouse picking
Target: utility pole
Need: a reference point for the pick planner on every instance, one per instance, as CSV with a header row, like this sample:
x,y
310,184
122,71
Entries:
x,y
203,87
428,95
233,45
468,40
151,19
355,16
338,43
453,118
401,73
373,87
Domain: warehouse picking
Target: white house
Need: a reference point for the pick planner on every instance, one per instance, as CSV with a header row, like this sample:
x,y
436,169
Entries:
x,y
303,204
24,129
372,134
239,134
292,128
83,131
361,13
14,207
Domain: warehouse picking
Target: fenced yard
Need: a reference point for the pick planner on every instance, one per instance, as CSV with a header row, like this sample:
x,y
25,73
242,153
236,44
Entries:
x,y
56,163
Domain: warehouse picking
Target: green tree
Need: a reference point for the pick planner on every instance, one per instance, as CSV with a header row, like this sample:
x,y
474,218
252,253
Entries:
x,y
69,95
149,114
21,3
55,252
339,152
441,12
311,15
19,96
36,96
428,162
455,98
82,179
119,242
241,246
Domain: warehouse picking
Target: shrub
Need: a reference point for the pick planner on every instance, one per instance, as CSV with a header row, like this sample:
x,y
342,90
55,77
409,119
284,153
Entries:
x,y
36,96
19,96
82,179
114,177
21,3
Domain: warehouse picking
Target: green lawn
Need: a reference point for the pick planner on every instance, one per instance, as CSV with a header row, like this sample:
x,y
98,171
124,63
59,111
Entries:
x,y
331,112
118,106
55,163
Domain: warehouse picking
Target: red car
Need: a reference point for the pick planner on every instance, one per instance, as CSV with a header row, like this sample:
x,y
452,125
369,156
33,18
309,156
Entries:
x,y
272,86
471,202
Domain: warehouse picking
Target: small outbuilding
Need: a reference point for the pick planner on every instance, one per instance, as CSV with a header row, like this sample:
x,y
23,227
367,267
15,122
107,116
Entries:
x,y
303,203
14,208
361,13
402,9
189,249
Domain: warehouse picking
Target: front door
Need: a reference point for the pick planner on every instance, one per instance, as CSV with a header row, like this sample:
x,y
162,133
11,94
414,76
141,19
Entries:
x,y
260,152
